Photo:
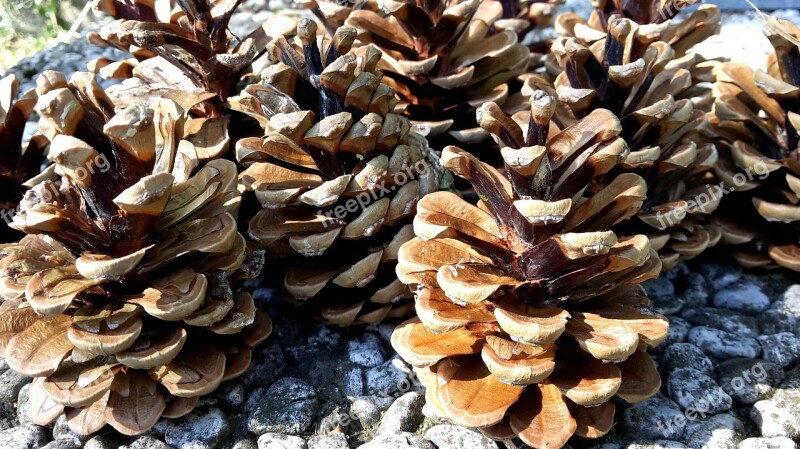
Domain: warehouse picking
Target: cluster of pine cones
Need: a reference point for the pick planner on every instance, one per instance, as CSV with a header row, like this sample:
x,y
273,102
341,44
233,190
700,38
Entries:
x,y
509,174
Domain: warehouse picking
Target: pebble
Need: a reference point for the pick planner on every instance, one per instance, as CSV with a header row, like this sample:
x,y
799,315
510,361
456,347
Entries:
x,y
779,415
655,418
368,409
268,364
21,409
720,276
388,378
200,429
234,396
148,442
782,349
687,355
336,441
100,442
748,380
745,297
278,441
726,320
768,443
61,431
791,300
678,330
63,444
657,444
719,432
245,444
691,389
288,406
27,436
354,382
456,437
659,288
723,345
398,441
695,294
404,415
777,321
10,385
366,350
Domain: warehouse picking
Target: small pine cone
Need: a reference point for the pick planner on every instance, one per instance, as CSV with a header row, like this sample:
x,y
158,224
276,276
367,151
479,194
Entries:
x,y
756,121
119,300
444,59
662,105
530,316
338,175
21,160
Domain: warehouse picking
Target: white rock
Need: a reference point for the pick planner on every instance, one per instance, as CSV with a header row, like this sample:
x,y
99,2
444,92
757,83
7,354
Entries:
x,y
456,437
768,443
279,441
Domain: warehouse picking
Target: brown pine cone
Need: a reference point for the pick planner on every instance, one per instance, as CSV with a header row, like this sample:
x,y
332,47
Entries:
x,y
338,175
120,301
530,316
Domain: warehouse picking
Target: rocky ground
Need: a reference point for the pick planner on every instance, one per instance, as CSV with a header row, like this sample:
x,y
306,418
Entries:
x,y
730,368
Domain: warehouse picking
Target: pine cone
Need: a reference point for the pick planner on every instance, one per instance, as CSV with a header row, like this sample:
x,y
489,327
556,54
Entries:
x,y
634,72
20,161
757,121
443,60
337,174
532,21
121,299
530,316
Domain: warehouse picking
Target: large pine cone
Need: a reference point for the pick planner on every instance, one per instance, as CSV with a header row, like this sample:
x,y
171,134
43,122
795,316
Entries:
x,y
337,174
119,301
661,100
530,316
444,59
757,118
20,161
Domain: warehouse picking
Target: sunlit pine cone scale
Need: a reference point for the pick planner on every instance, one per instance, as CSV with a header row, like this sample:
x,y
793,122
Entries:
x,y
530,316
756,122
658,93
120,301
338,176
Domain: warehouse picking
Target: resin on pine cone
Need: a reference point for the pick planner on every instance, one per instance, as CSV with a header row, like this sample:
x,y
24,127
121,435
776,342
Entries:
x,y
120,301
530,316
338,175
444,59
662,102
756,120
20,160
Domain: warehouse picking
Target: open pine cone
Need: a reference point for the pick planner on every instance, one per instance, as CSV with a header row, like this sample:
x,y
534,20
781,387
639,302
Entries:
x,y
757,118
121,299
20,161
662,100
337,174
530,316
444,60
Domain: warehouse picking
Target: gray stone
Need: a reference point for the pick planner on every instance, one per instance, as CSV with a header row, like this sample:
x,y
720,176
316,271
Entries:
x,y
656,444
388,378
22,406
723,345
278,441
726,320
687,355
768,443
721,276
779,415
692,389
398,441
354,382
745,297
61,431
782,349
245,443
28,436
368,409
748,380
405,414
696,292
10,385
654,418
456,437
63,444
336,441
385,330
719,431
200,429
366,350
234,396
100,442
288,406
678,330
791,300
148,442
777,321
268,364
659,288
334,421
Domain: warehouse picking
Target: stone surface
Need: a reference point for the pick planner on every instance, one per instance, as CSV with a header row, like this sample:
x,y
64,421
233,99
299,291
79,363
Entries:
x,y
398,441
654,418
779,415
200,429
337,441
748,380
777,321
687,355
147,442
723,345
656,444
782,349
722,431
726,320
692,389
288,406
278,441
747,298
456,437
366,350
768,443
388,378
23,437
